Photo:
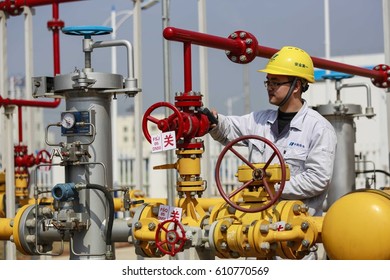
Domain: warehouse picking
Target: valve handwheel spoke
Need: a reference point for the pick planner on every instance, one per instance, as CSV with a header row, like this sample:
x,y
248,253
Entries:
x,y
174,238
241,157
172,122
257,174
153,119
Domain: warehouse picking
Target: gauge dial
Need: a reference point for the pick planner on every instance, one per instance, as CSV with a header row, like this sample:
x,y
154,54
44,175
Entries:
x,y
68,120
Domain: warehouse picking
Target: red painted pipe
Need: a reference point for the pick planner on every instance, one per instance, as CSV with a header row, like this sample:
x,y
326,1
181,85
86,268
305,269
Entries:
x,y
20,124
28,103
379,75
55,25
187,68
15,7
201,39
327,64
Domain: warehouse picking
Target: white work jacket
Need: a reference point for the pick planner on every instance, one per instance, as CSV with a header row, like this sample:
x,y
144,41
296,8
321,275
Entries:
x,y
307,145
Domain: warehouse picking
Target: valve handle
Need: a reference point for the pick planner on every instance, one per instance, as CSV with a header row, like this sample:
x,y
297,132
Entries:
x,y
87,31
258,174
43,156
173,239
173,122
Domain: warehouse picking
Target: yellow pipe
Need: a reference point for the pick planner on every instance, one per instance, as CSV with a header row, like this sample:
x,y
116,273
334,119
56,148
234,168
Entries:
x,y
2,204
17,224
278,236
2,181
145,229
5,228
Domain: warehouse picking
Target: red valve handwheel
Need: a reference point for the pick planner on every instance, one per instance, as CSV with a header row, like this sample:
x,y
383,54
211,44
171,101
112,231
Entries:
x,y
43,156
174,238
258,174
173,122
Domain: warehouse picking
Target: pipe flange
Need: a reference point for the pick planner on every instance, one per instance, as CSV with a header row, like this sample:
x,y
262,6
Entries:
x,y
81,81
248,44
25,231
384,81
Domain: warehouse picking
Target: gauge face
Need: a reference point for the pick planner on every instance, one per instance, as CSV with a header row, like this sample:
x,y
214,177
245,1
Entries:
x,y
68,120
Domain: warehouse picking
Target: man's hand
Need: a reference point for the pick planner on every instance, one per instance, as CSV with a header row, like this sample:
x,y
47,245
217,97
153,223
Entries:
x,y
211,115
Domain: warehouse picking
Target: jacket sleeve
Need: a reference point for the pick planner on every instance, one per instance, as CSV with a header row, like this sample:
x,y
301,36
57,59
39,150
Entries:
x,y
230,128
317,168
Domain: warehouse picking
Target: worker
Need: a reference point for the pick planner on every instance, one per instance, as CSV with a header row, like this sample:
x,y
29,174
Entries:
x,y
306,140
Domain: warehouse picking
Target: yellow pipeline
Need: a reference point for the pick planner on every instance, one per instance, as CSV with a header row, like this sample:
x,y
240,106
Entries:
x,y
5,228
146,229
2,182
2,200
258,234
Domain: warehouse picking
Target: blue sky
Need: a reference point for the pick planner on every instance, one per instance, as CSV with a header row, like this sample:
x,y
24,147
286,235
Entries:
x,y
355,27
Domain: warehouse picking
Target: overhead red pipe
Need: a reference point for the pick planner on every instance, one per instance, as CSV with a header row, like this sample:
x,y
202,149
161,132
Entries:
x,y
201,39
15,7
237,48
327,64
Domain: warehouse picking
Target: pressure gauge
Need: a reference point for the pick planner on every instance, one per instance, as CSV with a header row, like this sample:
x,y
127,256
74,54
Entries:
x,y
68,120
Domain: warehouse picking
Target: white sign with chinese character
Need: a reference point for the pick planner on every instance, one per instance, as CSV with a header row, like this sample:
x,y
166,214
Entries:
x,y
156,143
163,141
166,212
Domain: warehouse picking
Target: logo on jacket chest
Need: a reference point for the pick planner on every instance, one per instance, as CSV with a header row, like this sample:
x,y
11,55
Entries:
x,y
296,144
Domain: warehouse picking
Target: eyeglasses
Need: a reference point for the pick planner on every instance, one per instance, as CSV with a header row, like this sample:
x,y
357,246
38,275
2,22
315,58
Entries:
x,y
275,84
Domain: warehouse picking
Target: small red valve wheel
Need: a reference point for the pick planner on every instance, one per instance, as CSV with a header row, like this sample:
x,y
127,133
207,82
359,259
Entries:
x,y
173,122
170,234
258,174
43,156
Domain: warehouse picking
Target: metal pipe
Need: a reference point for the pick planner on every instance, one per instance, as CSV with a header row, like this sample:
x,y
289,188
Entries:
x,y
5,228
115,43
137,41
15,7
10,176
167,94
20,124
202,39
55,25
31,103
187,36
203,75
187,68
368,90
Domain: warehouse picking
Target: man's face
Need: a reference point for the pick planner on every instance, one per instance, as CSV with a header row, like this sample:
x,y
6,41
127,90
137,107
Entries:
x,y
277,87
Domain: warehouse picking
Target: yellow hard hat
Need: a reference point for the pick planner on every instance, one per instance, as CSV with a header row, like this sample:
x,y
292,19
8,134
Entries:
x,y
291,61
